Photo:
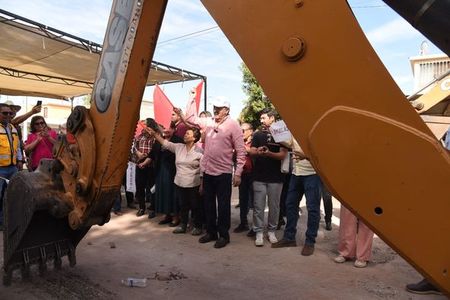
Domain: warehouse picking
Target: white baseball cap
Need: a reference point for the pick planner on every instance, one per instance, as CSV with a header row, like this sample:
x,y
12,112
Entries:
x,y
221,102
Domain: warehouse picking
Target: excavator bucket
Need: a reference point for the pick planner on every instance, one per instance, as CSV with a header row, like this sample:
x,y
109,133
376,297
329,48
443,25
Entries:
x,y
36,227
47,212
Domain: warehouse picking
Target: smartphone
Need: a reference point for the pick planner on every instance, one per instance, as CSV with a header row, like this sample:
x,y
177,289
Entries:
x,y
39,103
150,122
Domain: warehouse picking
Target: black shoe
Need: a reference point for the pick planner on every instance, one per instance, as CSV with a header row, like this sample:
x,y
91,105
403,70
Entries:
x,y
328,226
251,233
151,214
284,243
307,250
207,238
423,287
221,242
281,223
241,228
140,212
165,221
174,224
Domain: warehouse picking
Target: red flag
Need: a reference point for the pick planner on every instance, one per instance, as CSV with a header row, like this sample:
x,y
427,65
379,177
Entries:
x,y
198,94
162,107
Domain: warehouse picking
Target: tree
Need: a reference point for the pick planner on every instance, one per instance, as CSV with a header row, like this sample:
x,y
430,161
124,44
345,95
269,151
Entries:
x,y
256,100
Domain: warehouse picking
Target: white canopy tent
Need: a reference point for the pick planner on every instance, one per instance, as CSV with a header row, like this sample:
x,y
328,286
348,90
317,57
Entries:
x,y
36,60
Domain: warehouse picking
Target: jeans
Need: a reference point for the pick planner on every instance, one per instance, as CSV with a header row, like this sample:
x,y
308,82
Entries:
x,y
245,196
287,179
273,192
217,221
327,204
311,187
5,172
117,206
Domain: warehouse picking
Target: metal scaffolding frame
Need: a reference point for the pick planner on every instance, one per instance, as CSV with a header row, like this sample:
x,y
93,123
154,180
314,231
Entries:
x,y
74,41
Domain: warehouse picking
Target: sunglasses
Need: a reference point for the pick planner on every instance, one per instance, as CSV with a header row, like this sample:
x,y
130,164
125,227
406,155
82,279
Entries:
x,y
6,113
39,123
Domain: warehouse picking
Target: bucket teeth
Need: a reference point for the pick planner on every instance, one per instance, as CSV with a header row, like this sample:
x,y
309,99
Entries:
x,y
25,269
58,261
43,261
36,227
72,257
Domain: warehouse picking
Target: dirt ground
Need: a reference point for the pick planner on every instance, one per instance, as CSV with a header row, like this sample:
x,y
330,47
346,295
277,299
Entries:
x,y
178,267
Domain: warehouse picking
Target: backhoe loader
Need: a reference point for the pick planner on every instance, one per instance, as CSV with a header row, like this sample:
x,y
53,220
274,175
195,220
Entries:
x,y
366,141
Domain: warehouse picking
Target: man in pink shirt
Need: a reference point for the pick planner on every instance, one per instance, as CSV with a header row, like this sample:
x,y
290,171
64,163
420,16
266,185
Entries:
x,y
223,138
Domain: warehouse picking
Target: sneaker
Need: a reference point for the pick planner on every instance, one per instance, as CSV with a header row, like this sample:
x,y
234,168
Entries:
x,y
284,243
271,237
360,263
140,213
207,238
251,233
241,228
221,242
180,229
196,231
328,226
259,241
339,259
423,287
307,250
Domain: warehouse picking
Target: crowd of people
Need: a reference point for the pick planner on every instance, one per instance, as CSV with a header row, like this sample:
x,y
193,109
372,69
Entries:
x,y
185,174
15,154
197,161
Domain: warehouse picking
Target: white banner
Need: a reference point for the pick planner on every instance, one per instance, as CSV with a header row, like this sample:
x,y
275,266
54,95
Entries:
x,y
280,132
131,177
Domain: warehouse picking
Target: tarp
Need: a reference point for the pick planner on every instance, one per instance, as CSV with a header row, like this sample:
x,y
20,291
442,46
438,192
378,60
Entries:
x,y
36,60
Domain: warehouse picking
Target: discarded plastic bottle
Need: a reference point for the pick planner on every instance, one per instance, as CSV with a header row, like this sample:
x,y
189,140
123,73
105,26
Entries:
x,y
132,282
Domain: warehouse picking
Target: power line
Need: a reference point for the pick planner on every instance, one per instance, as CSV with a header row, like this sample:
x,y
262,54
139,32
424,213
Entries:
x,y
190,35
213,28
369,6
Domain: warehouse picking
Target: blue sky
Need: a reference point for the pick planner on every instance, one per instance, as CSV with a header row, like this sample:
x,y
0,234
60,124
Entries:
x,y
209,52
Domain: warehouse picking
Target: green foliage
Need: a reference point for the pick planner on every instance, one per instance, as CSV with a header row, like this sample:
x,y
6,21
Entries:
x,y
256,100
86,100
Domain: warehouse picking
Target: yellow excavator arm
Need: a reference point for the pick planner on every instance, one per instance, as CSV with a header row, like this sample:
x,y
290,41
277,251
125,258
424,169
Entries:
x,y
364,138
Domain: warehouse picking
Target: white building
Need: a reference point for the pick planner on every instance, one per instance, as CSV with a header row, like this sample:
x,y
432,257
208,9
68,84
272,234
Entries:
x,y
427,68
